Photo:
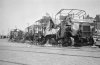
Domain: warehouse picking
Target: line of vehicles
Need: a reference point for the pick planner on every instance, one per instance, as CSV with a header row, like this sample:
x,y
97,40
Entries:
x,y
74,28
3,36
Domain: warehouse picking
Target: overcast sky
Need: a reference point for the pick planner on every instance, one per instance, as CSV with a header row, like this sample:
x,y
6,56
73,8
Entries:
x,y
18,13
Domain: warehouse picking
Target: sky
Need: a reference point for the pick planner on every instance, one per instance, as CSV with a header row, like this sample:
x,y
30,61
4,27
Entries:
x,y
22,13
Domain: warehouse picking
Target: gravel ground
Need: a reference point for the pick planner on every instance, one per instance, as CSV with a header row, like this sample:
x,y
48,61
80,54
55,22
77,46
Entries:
x,y
25,54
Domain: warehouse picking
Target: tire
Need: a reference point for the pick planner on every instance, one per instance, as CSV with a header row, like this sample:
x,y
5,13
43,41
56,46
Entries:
x,y
69,42
65,42
53,41
43,42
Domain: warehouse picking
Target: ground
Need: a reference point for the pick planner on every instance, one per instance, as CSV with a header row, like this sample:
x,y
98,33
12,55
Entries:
x,y
24,54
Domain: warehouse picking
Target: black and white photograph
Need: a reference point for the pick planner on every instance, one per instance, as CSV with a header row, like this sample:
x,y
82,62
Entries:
x,y
49,32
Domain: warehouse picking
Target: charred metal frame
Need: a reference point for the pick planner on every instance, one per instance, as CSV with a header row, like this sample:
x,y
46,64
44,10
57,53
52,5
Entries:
x,y
80,13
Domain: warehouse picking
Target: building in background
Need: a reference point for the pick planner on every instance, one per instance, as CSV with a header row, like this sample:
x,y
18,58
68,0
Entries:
x,y
97,18
97,23
39,26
